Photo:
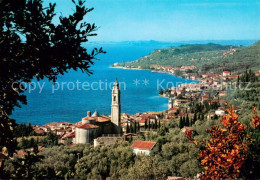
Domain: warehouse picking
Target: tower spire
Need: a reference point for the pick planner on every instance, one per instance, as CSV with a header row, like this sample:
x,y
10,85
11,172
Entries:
x,y
116,108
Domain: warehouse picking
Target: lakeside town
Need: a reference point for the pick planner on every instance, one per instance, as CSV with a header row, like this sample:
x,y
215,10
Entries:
x,y
206,126
210,90
191,108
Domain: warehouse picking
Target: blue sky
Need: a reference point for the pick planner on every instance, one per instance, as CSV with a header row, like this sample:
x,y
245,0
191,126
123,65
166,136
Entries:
x,y
171,20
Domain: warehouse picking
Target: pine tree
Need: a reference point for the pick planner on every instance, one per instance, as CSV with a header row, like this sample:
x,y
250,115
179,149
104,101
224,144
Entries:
x,y
194,118
181,123
127,128
238,80
135,127
160,123
187,122
131,128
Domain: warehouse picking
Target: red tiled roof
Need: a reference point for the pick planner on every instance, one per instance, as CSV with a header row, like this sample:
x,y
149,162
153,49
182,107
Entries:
x,y
152,117
144,116
41,148
103,119
144,144
143,120
226,72
57,123
71,145
89,118
39,131
211,75
173,109
22,153
87,126
218,101
69,135
233,76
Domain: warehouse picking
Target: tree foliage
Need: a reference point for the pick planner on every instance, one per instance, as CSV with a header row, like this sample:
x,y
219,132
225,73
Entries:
x,y
33,47
226,152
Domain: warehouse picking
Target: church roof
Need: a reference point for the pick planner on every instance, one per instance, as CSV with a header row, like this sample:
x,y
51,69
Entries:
x,y
95,114
89,118
144,144
103,119
87,126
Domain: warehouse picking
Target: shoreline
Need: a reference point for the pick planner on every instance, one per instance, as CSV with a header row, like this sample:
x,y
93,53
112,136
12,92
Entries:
x,y
153,71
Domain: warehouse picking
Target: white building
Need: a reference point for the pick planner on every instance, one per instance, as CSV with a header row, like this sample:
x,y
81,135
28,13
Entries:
x,y
220,112
86,133
170,103
143,147
95,126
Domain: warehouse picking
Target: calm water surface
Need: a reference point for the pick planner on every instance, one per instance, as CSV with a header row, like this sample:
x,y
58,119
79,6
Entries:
x,y
139,88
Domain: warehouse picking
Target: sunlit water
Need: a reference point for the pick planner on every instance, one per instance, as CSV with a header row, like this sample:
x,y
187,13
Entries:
x,y
139,88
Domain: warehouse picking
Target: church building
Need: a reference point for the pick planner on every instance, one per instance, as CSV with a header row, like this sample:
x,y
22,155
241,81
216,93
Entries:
x,y
94,126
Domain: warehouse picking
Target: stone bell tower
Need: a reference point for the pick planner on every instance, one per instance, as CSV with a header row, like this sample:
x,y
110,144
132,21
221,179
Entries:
x,y
116,108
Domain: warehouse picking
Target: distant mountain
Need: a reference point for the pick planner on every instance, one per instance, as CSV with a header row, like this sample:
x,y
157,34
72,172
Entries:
x,y
210,57
174,43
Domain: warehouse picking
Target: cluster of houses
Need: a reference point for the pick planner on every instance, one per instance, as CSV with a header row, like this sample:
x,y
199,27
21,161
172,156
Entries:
x,y
187,71
231,51
67,131
67,134
211,88
101,129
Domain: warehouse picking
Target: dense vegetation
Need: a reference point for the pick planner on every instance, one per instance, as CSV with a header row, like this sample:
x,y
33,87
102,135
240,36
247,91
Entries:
x,y
232,151
174,155
245,94
208,57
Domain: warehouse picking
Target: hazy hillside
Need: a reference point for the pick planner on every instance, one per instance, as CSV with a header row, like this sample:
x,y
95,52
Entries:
x,y
210,57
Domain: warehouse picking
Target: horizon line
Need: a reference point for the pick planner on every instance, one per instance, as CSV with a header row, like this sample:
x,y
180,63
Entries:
x,y
172,40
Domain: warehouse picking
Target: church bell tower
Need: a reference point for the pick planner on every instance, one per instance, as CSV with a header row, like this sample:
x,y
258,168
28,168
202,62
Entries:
x,y
116,108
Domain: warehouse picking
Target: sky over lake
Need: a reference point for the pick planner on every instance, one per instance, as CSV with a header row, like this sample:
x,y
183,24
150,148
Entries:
x,y
170,20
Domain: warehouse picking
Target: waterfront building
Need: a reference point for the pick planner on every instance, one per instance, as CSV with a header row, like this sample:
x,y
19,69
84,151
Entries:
x,y
170,103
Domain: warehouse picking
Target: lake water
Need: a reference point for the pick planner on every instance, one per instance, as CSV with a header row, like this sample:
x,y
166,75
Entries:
x,y
139,88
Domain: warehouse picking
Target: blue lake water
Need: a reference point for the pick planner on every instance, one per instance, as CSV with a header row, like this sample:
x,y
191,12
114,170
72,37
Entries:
x,y
139,88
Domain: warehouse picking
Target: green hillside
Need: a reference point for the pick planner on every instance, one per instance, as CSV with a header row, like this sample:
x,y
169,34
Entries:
x,y
210,57
246,57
